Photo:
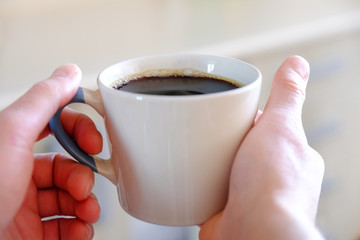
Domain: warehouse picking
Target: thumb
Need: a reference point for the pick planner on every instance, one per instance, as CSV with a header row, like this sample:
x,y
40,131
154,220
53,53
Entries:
x,y
288,89
30,114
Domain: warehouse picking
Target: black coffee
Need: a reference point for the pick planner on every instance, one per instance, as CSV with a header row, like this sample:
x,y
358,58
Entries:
x,y
176,85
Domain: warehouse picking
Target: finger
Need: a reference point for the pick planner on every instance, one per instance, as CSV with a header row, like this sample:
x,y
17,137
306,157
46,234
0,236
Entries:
x,y
83,130
67,229
56,170
288,89
210,228
52,202
88,210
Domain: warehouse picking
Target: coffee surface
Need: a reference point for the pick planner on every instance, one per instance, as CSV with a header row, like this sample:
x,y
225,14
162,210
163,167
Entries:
x,y
176,85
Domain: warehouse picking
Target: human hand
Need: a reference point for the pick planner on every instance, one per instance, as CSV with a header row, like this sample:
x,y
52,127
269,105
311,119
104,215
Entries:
x,y
276,176
33,187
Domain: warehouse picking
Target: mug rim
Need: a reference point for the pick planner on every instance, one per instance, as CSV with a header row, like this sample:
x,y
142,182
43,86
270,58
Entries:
x,y
140,96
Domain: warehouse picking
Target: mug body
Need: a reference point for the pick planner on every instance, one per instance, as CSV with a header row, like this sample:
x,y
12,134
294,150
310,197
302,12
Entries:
x,y
172,155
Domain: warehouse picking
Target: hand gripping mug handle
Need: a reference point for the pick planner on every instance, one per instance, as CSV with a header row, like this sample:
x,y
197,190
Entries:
x,y
97,164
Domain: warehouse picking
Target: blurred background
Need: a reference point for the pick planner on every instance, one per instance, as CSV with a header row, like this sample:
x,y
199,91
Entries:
x,y
36,36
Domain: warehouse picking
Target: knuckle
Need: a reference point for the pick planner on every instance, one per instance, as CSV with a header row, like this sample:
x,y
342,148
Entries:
x,y
47,90
45,87
296,87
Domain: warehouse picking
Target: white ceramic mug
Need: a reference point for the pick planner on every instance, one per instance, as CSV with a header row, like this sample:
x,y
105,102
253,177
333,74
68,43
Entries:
x,y
171,156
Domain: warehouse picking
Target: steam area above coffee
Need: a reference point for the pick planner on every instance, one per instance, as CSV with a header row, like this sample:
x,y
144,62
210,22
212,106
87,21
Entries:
x,y
170,82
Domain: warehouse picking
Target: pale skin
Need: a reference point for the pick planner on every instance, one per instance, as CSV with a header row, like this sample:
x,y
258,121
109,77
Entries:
x,y
274,186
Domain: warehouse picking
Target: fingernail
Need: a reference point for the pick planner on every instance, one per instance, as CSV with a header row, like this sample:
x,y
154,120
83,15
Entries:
x,y
97,204
66,70
301,67
89,187
90,230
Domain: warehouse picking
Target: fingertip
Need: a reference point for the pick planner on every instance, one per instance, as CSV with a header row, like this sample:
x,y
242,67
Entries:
x,y
64,82
73,177
68,70
67,78
289,85
91,232
83,130
87,136
88,210
80,182
300,65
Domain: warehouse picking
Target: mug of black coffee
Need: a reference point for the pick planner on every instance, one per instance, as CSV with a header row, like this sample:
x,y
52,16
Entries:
x,y
174,124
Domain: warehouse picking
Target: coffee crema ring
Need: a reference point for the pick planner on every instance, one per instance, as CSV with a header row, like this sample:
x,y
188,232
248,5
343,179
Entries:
x,y
184,72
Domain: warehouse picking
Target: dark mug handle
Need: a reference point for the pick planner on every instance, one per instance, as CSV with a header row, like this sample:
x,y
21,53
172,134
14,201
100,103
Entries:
x,y
97,164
